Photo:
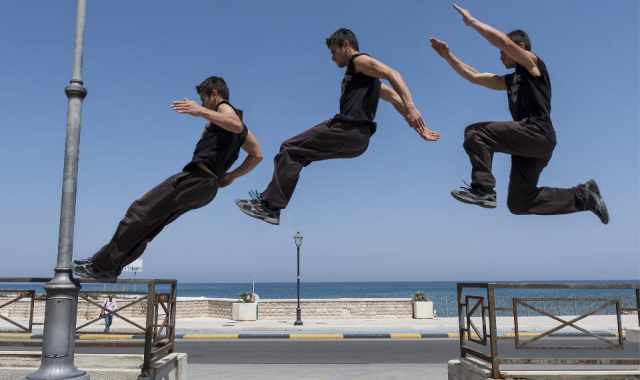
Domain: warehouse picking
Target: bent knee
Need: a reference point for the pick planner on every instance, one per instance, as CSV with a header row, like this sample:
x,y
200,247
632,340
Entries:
x,y
286,145
471,140
472,129
363,148
517,206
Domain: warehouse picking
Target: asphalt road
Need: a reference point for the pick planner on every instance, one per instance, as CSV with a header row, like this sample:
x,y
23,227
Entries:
x,y
366,351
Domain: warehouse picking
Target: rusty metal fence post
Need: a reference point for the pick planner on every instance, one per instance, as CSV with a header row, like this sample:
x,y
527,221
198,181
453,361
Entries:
x,y
148,337
461,328
493,330
638,304
172,323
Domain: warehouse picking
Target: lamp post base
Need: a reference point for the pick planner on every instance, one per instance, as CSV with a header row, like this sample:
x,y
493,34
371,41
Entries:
x,y
298,321
58,343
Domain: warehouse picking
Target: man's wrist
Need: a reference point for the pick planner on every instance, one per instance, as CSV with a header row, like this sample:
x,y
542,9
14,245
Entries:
x,y
202,111
409,107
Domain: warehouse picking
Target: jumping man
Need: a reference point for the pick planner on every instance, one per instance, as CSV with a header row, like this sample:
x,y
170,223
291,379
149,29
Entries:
x,y
194,187
530,138
347,134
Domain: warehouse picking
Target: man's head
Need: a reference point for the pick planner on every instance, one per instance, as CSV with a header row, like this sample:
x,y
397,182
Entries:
x,y
343,44
212,91
521,38
110,297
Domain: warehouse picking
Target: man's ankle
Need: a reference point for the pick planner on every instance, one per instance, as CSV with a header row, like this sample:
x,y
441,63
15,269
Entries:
x,y
483,189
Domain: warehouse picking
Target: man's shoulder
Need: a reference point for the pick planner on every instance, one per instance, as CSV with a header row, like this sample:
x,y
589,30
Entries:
x,y
361,58
226,107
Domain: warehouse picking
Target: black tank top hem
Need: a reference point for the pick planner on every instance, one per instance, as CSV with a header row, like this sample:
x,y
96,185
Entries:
x,y
372,125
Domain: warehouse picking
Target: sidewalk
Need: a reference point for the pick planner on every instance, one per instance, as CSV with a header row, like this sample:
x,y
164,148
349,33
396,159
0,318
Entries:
x,y
204,328
599,323
316,371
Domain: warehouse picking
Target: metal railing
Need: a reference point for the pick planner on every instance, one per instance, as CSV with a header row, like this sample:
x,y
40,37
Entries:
x,y
16,295
160,319
477,303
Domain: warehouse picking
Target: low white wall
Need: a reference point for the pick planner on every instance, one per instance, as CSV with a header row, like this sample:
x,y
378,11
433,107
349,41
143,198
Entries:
x,y
191,307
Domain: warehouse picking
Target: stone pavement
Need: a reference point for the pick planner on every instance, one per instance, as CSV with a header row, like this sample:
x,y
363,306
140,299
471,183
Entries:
x,y
318,371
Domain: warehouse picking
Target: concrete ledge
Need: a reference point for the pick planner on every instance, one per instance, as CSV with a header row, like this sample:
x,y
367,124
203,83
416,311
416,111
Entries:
x,y
18,364
632,334
573,375
467,369
464,369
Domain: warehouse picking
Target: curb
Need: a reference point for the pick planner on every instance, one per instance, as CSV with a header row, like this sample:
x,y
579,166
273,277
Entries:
x,y
289,336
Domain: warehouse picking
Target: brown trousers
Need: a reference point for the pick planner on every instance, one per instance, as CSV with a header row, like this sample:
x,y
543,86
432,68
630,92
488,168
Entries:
x,y
147,216
530,146
327,140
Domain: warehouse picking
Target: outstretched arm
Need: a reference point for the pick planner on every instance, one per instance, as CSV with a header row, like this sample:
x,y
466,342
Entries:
x,y
388,94
500,40
254,156
374,68
225,117
489,80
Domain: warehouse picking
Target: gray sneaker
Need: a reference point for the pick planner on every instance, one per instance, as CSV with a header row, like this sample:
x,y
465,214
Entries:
x,y
256,208
475,195
86,271
594,201
81,261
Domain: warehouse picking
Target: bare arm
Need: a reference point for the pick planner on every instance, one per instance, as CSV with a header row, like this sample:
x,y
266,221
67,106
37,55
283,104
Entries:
x,y
374,68
254,156
389,95
489,80
500,40
225,117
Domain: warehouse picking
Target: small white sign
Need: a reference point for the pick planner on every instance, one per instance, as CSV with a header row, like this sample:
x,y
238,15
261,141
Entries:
x,y
135,266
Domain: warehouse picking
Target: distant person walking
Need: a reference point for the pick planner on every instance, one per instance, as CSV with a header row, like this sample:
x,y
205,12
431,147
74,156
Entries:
x,y
530,138
108,306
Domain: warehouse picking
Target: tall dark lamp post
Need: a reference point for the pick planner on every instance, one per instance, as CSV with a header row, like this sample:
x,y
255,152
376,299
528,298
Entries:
x,y
298,240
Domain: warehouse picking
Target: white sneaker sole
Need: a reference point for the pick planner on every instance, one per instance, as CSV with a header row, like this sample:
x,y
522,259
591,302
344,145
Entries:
x,y
267,219
481,203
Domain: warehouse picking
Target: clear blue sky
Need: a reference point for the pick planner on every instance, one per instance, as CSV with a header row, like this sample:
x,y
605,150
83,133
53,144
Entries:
x,y
386,215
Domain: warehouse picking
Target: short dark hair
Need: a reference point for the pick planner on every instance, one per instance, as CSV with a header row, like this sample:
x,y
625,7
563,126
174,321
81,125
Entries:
x,y
213,83
340,36
520,36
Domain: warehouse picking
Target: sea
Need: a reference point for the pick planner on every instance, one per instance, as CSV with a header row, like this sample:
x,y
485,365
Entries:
x,y
443,294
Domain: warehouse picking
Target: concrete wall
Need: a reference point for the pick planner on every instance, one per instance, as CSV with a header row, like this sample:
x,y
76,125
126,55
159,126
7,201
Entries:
x,y
342,308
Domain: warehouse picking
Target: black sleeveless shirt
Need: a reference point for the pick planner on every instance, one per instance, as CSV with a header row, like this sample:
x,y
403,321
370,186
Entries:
x,y
360,95
530,96
218,148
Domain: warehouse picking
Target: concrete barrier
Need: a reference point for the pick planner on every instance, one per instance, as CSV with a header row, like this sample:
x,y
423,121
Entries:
x,y
18,364
467,369
632,334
